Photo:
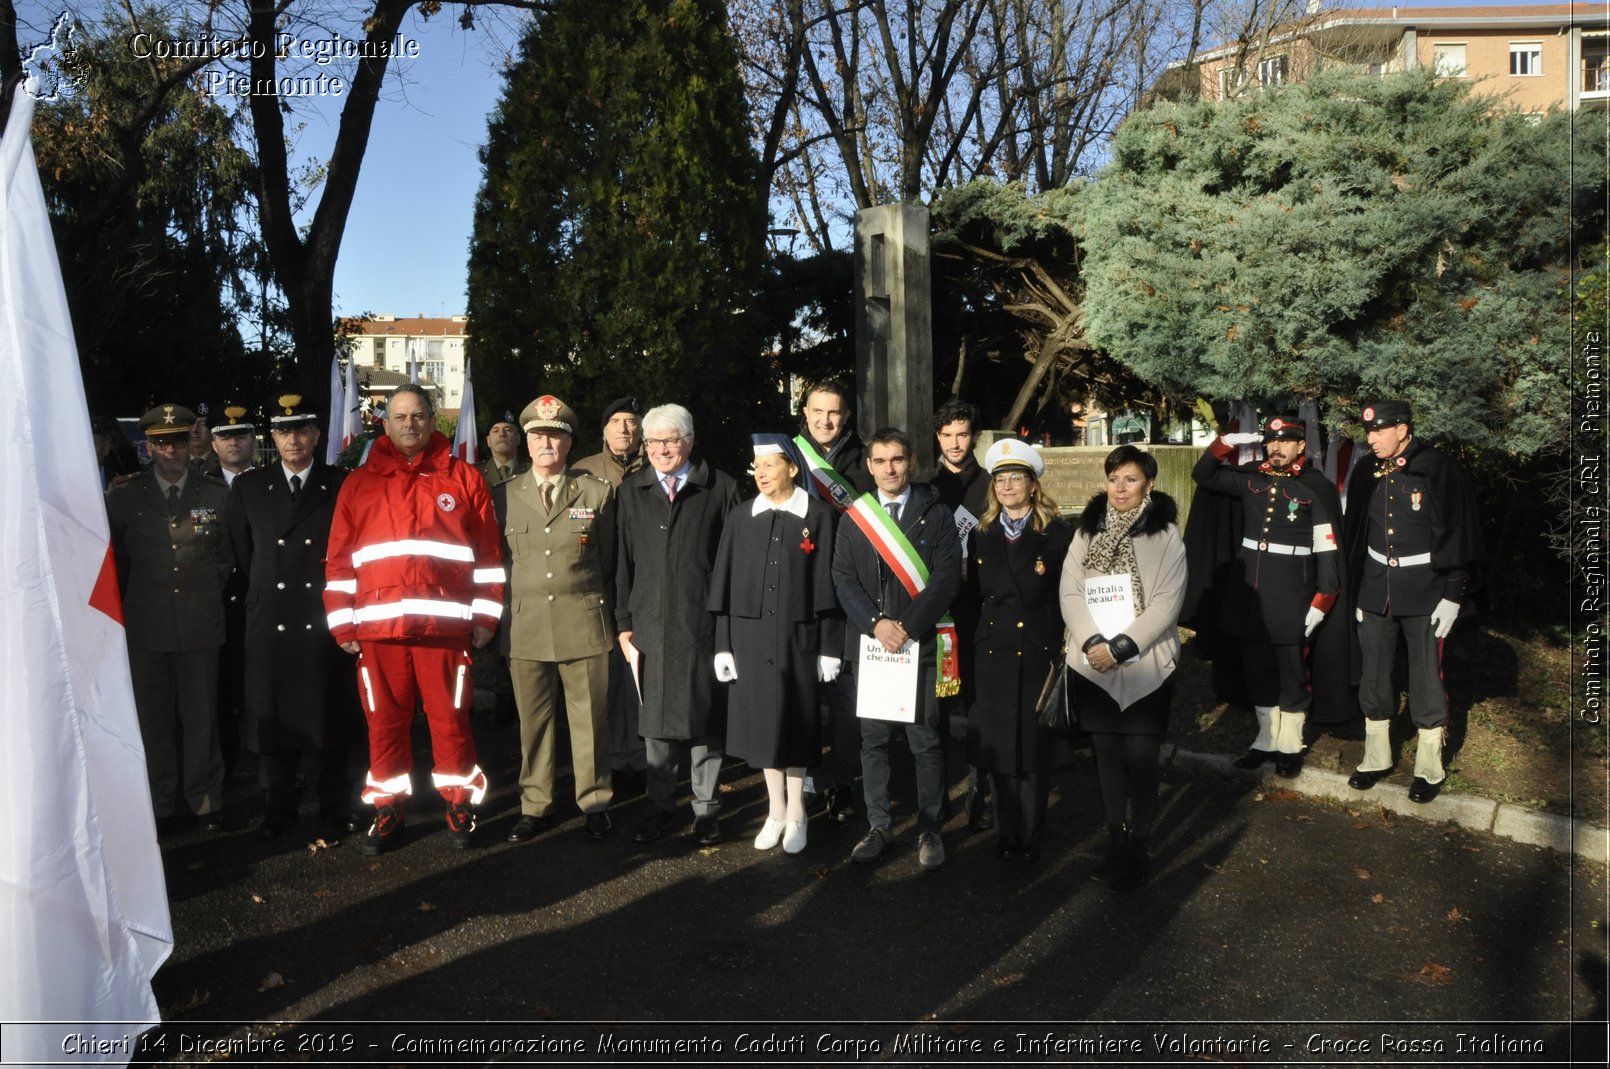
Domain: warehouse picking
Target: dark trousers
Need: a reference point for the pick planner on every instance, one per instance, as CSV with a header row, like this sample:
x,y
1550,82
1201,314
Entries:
x,y
176,699
1378,647
1276,675
666,758
923,740
276,774
1019,805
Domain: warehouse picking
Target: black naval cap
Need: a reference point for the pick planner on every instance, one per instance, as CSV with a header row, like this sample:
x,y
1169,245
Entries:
x,y
165,420
1284,428
622,404
288,410
1385,414
233,421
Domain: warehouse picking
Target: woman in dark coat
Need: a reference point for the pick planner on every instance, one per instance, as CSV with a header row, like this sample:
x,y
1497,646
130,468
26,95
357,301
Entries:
x,y
778,632
1125,674
1016,569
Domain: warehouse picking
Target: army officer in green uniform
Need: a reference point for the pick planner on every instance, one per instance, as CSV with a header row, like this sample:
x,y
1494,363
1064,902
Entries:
x,y
558,528
173,558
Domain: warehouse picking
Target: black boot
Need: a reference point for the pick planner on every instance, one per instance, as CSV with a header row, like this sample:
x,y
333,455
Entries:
x,y
1137,866
1112,862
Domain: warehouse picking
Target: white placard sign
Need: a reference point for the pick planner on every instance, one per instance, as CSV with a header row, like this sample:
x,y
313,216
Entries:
x,y
1111,600
886,683
966,522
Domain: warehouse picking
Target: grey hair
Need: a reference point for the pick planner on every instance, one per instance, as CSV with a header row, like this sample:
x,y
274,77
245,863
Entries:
x,y
418,391
669,417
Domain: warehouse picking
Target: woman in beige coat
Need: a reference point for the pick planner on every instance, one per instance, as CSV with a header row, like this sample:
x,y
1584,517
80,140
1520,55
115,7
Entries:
x,y
1124,666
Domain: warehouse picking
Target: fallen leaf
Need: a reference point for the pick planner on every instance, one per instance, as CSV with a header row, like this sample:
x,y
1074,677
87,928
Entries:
x,y
1257,796
1304,817
725,788
821,872
1386,814
1362,825
1434,974
272,980
323,892
1008,980
1455,915
425,907
318,844
707,851
1283,794
258,899
1362,874
1377,898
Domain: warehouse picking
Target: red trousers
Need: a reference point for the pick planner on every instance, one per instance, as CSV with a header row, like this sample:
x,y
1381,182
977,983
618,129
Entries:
x,y
391,675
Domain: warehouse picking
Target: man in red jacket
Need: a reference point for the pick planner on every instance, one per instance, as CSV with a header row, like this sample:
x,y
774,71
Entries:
x,y
414,577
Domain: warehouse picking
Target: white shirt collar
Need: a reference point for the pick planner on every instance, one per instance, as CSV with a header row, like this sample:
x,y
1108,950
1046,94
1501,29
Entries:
x,y
905,496
680,475
304,473
795,504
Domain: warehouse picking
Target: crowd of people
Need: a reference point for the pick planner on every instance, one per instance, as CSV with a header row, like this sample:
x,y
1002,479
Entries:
x,y
680,618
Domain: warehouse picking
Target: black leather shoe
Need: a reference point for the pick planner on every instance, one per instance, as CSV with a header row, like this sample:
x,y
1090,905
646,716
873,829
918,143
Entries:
x,y
339,820
707,831
213,822
1253,759
1288,765
1363,781
598,825
528,827
1008,849
1421,791
980,816
653,826
1028,853
840,806
275,824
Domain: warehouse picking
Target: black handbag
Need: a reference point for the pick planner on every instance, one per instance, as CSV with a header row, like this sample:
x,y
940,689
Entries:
x,y
1055,708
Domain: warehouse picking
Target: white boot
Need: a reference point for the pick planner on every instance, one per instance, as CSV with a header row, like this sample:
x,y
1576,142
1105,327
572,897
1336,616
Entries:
x,y
1264,744
1289,742
1428,756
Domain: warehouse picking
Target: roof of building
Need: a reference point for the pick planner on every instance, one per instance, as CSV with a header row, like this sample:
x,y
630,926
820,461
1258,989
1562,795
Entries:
x,y
419,326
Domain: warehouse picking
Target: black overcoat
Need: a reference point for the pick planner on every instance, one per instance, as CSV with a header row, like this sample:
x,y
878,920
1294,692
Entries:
x,y
301,689
772,593
664,554
1019,638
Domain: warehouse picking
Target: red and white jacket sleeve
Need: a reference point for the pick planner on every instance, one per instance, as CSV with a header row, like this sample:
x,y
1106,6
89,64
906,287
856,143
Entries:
x,y
486,606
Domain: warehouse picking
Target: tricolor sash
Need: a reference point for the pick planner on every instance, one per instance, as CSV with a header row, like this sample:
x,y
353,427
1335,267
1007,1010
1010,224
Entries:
x,y
892,545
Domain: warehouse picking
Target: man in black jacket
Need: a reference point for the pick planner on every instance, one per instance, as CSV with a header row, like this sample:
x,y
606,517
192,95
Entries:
x,y
879,605
1412,536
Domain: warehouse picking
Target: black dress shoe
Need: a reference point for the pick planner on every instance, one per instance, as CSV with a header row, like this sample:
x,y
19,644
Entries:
x,y
1008,849
1253,759
840,806
275,824
980,816
598,825
1363,781
1029,853
653,826
338,820
1422,791
528,827
1288,765
707,831
213,822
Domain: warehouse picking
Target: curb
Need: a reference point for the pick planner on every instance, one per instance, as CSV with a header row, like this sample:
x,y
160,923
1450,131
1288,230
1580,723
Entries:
x,y
1567,835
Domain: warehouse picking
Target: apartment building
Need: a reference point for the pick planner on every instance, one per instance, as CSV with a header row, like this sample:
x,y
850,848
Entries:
x,y
1531,57
389,343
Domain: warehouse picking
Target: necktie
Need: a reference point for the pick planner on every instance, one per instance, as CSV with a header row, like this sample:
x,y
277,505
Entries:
x,y
504,473
894,510
296,486
670,488
547,496
173,501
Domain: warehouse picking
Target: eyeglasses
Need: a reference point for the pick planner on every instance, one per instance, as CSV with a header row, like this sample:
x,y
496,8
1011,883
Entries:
x,y
168,443
671,443
1015,478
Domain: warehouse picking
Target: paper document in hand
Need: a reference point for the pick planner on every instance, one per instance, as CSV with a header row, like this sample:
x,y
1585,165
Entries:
x,y
886,683
1111,600
634,657
966,522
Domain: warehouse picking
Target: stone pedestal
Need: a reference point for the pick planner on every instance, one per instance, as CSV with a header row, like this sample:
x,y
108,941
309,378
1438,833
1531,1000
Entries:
x,y
894,352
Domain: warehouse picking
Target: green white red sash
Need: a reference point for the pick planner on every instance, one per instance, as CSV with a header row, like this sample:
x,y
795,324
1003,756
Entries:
x,y
895,550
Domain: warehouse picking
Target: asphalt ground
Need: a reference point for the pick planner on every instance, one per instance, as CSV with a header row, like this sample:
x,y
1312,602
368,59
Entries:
x,y
1276,929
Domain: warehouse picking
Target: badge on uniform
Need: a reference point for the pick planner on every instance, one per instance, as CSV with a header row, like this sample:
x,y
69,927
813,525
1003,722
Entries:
x,y
584,538
805,540
1039,566
581,513
1414,498
1291,511
200,518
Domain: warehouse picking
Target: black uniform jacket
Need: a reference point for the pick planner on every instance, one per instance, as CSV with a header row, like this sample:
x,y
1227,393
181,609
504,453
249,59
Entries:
x,y
867,589
301,690
1413,535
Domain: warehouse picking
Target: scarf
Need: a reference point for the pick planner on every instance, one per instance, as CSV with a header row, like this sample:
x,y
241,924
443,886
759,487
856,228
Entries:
x,y
1113,550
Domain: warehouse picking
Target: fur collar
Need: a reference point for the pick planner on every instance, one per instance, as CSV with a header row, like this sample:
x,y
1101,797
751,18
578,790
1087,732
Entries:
x,y
1162,512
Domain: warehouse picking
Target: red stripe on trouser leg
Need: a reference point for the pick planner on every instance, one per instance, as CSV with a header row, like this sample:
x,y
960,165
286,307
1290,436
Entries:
x,y
386,677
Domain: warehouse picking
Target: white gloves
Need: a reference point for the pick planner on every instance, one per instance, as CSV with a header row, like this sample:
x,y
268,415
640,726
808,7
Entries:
x,y
726,668
1358,614
1243,438
827,669
1314,618
1443,616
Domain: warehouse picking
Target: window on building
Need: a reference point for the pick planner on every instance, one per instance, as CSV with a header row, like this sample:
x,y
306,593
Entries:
x,y
1595,63
432,370
1448,61
1525,59
1231,81
1272,71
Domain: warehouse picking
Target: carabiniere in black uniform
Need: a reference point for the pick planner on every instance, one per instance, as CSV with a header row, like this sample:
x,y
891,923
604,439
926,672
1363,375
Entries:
x,y
1284,580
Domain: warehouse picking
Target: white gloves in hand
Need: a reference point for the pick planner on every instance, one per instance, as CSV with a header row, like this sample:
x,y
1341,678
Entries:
x,y
1358,614
827,668
1314,618
1243,438
1443,616
726,668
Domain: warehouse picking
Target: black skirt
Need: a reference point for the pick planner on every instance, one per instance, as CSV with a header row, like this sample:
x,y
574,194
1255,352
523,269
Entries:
x,y
1099,714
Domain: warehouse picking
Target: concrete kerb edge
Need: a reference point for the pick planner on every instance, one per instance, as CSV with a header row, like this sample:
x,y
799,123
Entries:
x,y
1565,834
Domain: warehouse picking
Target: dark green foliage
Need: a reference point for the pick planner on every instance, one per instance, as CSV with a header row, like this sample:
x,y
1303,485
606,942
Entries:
x,y
1349,238
617,232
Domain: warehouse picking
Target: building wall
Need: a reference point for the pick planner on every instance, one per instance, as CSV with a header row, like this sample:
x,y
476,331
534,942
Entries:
x,y
385,343
1487,59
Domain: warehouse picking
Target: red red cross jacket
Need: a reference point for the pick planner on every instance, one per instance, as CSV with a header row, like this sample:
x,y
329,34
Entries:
x,y
414,549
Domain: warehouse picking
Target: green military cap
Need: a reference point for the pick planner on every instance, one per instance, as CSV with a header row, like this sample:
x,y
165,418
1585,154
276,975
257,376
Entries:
x,y
165,420
548,413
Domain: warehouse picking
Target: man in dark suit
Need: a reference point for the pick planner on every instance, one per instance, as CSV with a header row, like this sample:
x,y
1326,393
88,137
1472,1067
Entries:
x,y
173,558
559,541
877,604
300,695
